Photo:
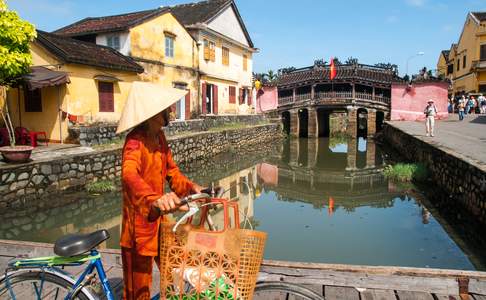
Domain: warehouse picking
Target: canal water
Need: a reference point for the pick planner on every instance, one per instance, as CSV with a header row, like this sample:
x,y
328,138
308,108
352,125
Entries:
x,y
320,200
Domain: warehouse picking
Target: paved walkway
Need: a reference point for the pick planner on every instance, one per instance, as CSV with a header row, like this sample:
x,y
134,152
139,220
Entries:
x,y
466,138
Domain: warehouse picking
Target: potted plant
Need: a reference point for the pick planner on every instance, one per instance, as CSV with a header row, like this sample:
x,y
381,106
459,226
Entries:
x,y
15,60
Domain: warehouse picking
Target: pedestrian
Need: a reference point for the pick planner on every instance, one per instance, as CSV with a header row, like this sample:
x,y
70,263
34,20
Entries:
x,y
472,105
460,108
450,107
147,164
482,103
466,104
430,112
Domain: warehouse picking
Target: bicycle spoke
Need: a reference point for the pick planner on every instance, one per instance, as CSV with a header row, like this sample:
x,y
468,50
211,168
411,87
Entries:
x,y
37,292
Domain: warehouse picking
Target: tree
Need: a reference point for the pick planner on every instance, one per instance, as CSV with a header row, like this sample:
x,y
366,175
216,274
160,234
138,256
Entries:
x,y
15,57
351,61
337,62
390,66
271,76
320,62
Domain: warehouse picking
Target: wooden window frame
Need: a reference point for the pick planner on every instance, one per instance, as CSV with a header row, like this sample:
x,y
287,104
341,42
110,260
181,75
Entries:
x,y
464,61
458,64
232,94
103,106
209,50
169,49
482,52
110,42
32,100
225,55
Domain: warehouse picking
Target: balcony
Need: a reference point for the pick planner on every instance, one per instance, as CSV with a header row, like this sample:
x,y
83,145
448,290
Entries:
x,y
478,65
367,97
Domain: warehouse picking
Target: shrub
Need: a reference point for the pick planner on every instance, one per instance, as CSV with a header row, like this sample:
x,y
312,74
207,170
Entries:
x,y
102,186
406,172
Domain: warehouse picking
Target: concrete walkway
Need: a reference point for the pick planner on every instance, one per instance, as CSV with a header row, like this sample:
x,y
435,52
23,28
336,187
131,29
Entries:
x,y
466,138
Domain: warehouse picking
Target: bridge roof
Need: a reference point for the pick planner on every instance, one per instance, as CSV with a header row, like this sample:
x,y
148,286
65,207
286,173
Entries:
x,y
345,73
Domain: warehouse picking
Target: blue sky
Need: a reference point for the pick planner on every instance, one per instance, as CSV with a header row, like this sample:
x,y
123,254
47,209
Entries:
x,y
295,33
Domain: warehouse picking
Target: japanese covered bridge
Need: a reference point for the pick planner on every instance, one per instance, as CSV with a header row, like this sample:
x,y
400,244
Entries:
x,y
359,93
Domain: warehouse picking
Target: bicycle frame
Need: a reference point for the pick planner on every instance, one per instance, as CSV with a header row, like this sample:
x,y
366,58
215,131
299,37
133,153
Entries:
x,y
94,259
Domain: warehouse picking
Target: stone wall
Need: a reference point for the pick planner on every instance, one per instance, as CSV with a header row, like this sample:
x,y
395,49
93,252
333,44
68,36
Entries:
x,y
102,133
21,183
461,181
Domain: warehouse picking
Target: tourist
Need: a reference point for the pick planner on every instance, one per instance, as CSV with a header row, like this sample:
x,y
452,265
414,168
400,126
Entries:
x,y
147,163
472,105
466,103
450,107
482,103
430,112
460,108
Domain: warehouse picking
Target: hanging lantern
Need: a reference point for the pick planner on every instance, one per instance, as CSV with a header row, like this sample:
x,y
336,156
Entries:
x,y
258,85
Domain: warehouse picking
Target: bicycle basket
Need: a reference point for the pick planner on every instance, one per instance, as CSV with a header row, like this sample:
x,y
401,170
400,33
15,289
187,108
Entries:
x,y
200,264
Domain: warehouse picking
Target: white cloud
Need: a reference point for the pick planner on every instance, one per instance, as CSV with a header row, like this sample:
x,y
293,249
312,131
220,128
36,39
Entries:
x,y
416,3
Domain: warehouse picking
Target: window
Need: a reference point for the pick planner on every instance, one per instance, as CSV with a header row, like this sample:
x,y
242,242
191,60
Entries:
x,y
169,46
225,52
482,88
209,50
106,98
450,69
33,100
482,52
464,62
232,94
245,62
458,64
113,41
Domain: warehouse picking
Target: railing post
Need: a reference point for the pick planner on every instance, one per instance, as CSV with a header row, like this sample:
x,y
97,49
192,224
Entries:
x,y
354,91
313,93
373,94
294,90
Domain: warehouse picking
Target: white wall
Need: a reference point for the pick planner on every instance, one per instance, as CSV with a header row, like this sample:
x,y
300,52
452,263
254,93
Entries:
x,y
227,24
102,39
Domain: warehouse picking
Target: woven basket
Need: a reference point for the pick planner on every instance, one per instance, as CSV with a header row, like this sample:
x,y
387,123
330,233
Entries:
x,y
200,264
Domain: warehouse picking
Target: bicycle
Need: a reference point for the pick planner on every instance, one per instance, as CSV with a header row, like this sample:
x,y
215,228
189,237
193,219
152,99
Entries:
x,y
44,277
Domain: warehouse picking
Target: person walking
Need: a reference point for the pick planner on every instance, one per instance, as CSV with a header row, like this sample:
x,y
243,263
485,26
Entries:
x,y
430,112
460,108
482,103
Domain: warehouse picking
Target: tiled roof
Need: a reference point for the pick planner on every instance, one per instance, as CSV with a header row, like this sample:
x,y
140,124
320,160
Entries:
x,y
481,16
73,51
343,73
109,23
199,12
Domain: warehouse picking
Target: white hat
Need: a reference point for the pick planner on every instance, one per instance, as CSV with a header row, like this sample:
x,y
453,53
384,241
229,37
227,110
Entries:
x,y
145,100
430,100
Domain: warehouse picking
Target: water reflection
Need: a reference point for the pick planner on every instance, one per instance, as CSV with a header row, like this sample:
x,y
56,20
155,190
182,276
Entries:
x,y
320,200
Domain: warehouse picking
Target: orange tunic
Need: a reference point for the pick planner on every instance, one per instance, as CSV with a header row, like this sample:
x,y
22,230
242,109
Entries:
x,y
145,167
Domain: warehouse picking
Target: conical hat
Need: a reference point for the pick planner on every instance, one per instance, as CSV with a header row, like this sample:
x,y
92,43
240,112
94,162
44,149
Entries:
x,y
145,100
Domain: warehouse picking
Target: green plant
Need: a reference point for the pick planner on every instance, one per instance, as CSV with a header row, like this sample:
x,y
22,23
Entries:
x,y
102,186
402,172
15,57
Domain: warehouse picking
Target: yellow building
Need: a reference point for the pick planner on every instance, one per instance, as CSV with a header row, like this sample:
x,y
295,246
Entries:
x,y
466,62
156,40
76,80
225,55
203,47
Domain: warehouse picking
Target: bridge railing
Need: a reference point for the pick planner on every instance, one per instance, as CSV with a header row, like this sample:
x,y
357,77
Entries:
x,y
302,97
285,100
364,96
331,95
334,95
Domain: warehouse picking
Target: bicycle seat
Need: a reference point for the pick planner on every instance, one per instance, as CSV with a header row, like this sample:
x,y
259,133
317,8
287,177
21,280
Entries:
x,y
76,244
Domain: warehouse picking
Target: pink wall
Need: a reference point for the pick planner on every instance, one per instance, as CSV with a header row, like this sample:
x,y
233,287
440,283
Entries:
x,y
267,99
409,105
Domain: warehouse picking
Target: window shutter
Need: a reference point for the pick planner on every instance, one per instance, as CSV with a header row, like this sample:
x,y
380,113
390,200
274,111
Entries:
x,y
106,100
203,108
482,52
213,52
245,62
232,94
215,99
206,52
187,105
241,96
249,96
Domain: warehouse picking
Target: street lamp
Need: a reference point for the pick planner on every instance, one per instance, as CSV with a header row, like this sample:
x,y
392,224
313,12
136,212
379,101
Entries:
x,y
420,53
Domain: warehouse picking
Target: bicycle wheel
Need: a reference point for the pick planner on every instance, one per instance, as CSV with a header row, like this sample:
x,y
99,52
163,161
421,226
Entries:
x,y
37,284
283,291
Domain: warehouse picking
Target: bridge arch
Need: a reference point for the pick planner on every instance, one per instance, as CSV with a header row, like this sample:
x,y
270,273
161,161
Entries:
x,y
380,120
323,122
303,116
286,122
362,122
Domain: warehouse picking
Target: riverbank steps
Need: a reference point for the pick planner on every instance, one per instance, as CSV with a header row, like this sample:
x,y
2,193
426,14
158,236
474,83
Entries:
x,y
460,179
26,182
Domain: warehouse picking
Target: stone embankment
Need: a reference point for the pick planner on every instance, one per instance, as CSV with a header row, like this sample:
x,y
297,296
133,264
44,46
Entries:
x,y
21,183
461,180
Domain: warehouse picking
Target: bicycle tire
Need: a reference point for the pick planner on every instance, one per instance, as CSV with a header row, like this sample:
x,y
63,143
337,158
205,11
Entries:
x,y
272,290
19,285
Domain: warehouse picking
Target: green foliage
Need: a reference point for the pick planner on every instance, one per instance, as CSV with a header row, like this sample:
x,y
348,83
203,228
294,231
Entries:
x,y
102,186
406,172
15,36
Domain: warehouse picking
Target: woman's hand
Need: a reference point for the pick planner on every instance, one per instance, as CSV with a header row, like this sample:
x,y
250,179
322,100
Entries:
x,y
168,203
196,189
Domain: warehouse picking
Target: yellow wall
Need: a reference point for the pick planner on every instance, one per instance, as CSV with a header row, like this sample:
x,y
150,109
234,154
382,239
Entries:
x,y
465,79
148,41
225,75
80,97
442,65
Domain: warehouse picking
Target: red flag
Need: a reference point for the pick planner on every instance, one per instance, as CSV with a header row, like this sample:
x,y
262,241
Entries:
x,y
333,69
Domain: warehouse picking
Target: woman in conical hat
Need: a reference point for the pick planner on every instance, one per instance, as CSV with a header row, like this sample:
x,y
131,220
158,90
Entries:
x,y
147,164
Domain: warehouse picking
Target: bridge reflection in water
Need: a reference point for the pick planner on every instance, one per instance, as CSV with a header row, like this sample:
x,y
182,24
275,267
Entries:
x,y
348,171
